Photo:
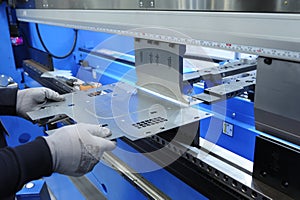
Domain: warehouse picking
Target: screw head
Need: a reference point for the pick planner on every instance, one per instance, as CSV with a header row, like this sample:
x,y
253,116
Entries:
x,y
285,184
29,185
233,115
268,61
263,173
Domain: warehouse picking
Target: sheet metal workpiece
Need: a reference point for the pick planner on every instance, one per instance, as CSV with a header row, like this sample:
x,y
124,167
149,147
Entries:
x,y
124,109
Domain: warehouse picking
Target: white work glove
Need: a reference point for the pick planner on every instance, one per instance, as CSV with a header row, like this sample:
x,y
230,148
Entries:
x,y
76,149
29,99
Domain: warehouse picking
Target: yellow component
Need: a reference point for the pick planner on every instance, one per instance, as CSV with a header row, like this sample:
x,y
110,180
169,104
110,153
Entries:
x,y
87,86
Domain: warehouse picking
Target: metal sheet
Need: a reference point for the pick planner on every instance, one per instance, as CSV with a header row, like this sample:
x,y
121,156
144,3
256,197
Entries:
x,y
207,5
207,98
233,88
126,110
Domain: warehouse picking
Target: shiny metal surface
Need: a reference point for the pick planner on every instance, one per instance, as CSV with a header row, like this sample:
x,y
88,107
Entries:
x,y
255,33
147,188
231,170
159,68
200,5
125,110
276,107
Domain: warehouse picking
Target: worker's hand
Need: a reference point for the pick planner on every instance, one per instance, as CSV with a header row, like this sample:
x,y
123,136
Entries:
x,y
76,149
29,99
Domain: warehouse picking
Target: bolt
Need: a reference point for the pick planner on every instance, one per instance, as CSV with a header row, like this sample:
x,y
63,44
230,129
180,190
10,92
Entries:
x,y
285,184
233,115
263,173
268,61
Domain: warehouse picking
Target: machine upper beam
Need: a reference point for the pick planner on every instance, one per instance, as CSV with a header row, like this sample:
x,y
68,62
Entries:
x,y
267,34
200,5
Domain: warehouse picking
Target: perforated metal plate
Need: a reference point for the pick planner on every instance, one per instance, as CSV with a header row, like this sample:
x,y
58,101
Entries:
x,y
123,108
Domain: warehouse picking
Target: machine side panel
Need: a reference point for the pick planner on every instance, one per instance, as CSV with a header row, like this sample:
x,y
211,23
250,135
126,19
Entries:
x,y
277,99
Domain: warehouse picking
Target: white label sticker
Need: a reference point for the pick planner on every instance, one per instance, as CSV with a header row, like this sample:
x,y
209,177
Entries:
x,y
228,129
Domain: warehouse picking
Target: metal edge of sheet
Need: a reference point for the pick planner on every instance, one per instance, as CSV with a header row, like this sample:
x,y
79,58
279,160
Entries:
x,y
120,125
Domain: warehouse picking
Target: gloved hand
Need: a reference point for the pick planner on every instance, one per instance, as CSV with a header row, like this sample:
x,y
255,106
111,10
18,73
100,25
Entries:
x,y
76,149
29,99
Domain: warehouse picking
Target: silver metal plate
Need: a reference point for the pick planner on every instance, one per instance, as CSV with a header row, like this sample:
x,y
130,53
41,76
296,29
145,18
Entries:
x,y
253,33
124,109
207,5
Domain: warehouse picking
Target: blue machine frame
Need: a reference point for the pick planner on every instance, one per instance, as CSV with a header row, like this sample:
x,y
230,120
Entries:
x,y
7,65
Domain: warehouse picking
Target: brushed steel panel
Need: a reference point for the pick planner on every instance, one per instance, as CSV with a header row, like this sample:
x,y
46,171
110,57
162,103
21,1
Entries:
x,y
201,5
246,32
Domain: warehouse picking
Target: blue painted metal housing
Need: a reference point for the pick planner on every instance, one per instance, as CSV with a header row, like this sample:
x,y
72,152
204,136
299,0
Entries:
x,y
7,65
239,113
20,130
37,191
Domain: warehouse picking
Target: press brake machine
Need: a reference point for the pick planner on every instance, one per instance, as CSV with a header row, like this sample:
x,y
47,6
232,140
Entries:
x,y
161,112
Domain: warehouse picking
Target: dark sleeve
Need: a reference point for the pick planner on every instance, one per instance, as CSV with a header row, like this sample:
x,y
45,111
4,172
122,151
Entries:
x,y
22,164
8,99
